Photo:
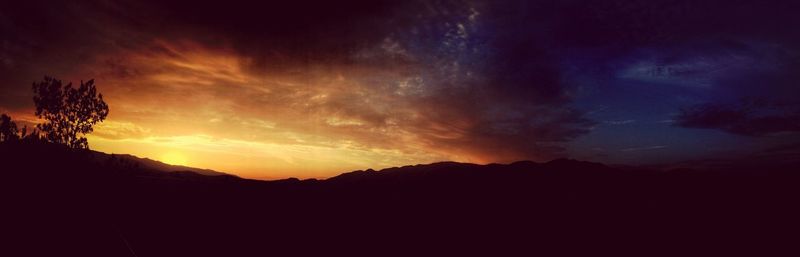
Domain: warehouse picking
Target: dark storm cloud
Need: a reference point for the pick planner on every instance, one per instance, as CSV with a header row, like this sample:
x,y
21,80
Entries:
x,y
784,148
59,38
746,88
713,53
489,81
749,119
626,24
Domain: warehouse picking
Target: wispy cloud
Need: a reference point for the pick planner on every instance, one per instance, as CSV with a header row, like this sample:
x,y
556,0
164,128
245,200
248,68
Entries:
x,y
619,122
643,148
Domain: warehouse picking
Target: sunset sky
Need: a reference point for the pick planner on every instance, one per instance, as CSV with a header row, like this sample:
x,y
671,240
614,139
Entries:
x,y
304,89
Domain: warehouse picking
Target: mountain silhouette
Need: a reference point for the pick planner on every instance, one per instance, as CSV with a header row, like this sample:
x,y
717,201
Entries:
x,y
67,201
157,165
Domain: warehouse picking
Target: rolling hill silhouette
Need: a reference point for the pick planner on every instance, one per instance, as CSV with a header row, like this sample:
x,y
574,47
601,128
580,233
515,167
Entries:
x,y
63,201
157,165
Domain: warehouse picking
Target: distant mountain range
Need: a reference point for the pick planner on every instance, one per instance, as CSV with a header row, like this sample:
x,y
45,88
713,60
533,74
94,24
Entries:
x,y
147,166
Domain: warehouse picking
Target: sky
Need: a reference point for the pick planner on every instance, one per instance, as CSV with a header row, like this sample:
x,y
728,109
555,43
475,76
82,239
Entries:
x,y
310,90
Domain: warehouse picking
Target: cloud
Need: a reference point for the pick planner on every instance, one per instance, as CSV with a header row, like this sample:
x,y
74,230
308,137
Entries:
x,y
120,130
748,118
465,80
784,148
453,85
619,122
643,148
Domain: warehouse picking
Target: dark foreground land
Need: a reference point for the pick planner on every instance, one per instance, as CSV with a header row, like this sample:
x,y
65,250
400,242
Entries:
x,y
59,202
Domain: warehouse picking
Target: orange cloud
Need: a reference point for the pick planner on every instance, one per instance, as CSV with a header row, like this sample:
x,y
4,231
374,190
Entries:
x,y
185,97
313,119
249,95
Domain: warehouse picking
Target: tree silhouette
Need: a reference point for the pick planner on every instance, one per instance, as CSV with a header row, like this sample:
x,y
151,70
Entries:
x,y
69,112
8,129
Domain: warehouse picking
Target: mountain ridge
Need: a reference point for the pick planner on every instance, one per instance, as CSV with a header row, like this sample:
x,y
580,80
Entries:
x,y
88,202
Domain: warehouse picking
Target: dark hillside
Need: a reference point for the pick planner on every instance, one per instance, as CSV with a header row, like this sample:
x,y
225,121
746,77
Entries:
x,y
61,201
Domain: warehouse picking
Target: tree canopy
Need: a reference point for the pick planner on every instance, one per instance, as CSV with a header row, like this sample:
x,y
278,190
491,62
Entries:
x,y
69,113
8,129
